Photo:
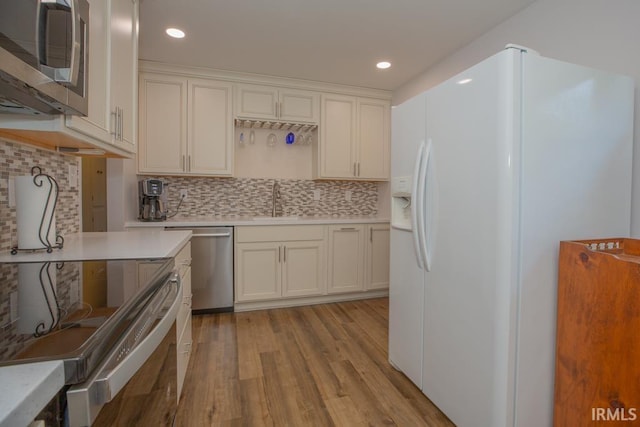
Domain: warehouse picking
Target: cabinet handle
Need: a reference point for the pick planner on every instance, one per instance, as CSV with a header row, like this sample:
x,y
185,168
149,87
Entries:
x,y
115,123
347,229
358,168
285,254
371,234
121,124
279,254
184,164
354,169
189,163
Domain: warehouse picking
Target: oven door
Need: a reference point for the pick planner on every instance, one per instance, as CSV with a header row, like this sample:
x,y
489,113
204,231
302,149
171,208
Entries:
x,y
137,382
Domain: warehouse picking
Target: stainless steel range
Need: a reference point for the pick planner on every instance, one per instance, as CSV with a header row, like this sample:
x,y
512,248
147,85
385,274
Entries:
x,y
106,322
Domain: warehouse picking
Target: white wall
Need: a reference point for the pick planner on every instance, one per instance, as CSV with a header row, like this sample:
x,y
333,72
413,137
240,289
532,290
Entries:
x,y
603,34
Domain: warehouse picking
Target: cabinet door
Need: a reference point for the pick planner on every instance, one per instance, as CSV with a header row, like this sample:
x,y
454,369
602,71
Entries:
x,y
373,138
163,130
123,70
346,259
183,348
98,121
377,263
256,102
303,268
299,106
210,135
337,137
258,271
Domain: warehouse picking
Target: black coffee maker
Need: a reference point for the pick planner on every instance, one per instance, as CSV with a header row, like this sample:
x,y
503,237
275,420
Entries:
x,y
151,200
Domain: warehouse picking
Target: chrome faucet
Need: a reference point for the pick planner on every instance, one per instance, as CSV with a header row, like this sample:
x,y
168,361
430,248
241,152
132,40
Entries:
x,y
275,198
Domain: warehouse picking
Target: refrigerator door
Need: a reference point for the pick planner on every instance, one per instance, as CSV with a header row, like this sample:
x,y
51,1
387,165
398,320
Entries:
x,y
576,183
468,302
406,287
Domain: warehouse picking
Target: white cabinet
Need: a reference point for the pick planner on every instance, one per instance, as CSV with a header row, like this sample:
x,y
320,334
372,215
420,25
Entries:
x,y
279,104
354,138
113,70
377,257
110,123
123,73
186,126
273,262
346,258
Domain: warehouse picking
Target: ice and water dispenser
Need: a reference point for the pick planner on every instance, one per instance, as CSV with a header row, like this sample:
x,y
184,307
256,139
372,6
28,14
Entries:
x,y
401,202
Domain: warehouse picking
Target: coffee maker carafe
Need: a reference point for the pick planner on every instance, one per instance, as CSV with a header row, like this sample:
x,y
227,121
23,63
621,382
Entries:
x,y
151,200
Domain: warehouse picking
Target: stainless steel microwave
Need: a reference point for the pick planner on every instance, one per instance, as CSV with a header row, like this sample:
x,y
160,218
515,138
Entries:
x,y
43,56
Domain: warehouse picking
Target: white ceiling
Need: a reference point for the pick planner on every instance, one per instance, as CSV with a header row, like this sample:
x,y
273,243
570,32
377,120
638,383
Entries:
x,y
335,41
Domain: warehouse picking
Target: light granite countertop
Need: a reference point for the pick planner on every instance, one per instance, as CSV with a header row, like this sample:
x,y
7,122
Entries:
x,y
26,389
134,244
204,221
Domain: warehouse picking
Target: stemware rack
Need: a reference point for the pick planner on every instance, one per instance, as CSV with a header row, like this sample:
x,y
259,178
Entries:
x,y
266,124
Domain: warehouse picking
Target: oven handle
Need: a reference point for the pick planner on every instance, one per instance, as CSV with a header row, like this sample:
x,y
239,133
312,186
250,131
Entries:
x,y
110,384
86,400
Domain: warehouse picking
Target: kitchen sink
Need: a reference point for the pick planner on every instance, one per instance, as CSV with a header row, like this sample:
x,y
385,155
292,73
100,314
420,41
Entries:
x,y
275,218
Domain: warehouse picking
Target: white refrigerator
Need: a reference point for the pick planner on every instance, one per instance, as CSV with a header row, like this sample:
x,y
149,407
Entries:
x,y
490,170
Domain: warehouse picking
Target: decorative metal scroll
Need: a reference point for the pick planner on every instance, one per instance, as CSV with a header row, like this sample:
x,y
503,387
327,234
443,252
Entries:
x,y
40,179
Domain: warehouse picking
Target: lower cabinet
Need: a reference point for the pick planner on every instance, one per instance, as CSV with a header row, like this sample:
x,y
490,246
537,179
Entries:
x,y
346,258
377,257
358,258
272,262
183,320
280,262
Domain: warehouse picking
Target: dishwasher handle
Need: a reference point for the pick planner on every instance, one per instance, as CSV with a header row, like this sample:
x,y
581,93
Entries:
x,y
212,235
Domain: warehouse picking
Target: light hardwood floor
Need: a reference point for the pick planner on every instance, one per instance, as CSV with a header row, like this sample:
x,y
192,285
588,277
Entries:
x,y
322,365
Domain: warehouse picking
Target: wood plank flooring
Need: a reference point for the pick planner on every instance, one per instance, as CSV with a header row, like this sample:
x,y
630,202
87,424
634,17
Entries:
x,y
322,365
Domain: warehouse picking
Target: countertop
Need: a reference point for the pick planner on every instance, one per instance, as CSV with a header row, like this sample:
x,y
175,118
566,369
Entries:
x,y
208,221
27,389
133,244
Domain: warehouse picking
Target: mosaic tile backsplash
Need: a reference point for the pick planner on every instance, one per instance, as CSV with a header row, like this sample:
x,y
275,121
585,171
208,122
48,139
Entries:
x,y
17,160
239,197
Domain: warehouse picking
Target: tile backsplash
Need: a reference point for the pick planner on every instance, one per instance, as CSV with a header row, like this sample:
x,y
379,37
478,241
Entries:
x,y
17,160
221,197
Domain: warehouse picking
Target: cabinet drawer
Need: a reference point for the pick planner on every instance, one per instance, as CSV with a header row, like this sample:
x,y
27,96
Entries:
x,y
279,233
184,348
183,259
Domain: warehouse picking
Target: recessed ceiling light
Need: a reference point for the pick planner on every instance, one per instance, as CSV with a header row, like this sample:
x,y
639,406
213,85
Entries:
x,y
464,81
383,65
175,33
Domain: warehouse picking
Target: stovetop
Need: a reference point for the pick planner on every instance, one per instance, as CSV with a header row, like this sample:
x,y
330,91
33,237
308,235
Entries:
x,y
55,310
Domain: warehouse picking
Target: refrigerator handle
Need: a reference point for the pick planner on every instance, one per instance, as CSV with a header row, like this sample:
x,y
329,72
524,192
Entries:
x,y
416,195
423,228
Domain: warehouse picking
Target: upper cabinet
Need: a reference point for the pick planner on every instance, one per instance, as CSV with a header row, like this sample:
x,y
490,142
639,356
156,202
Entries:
x,y
186,126
354,138
277,104
113,59
110,124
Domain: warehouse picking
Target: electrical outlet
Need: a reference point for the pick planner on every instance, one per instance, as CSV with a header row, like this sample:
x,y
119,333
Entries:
x,y
12,192
316,194
183,194
347,195
73,176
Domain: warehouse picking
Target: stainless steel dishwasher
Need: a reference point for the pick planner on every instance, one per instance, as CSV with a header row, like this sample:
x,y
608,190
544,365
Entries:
x,y
211,268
